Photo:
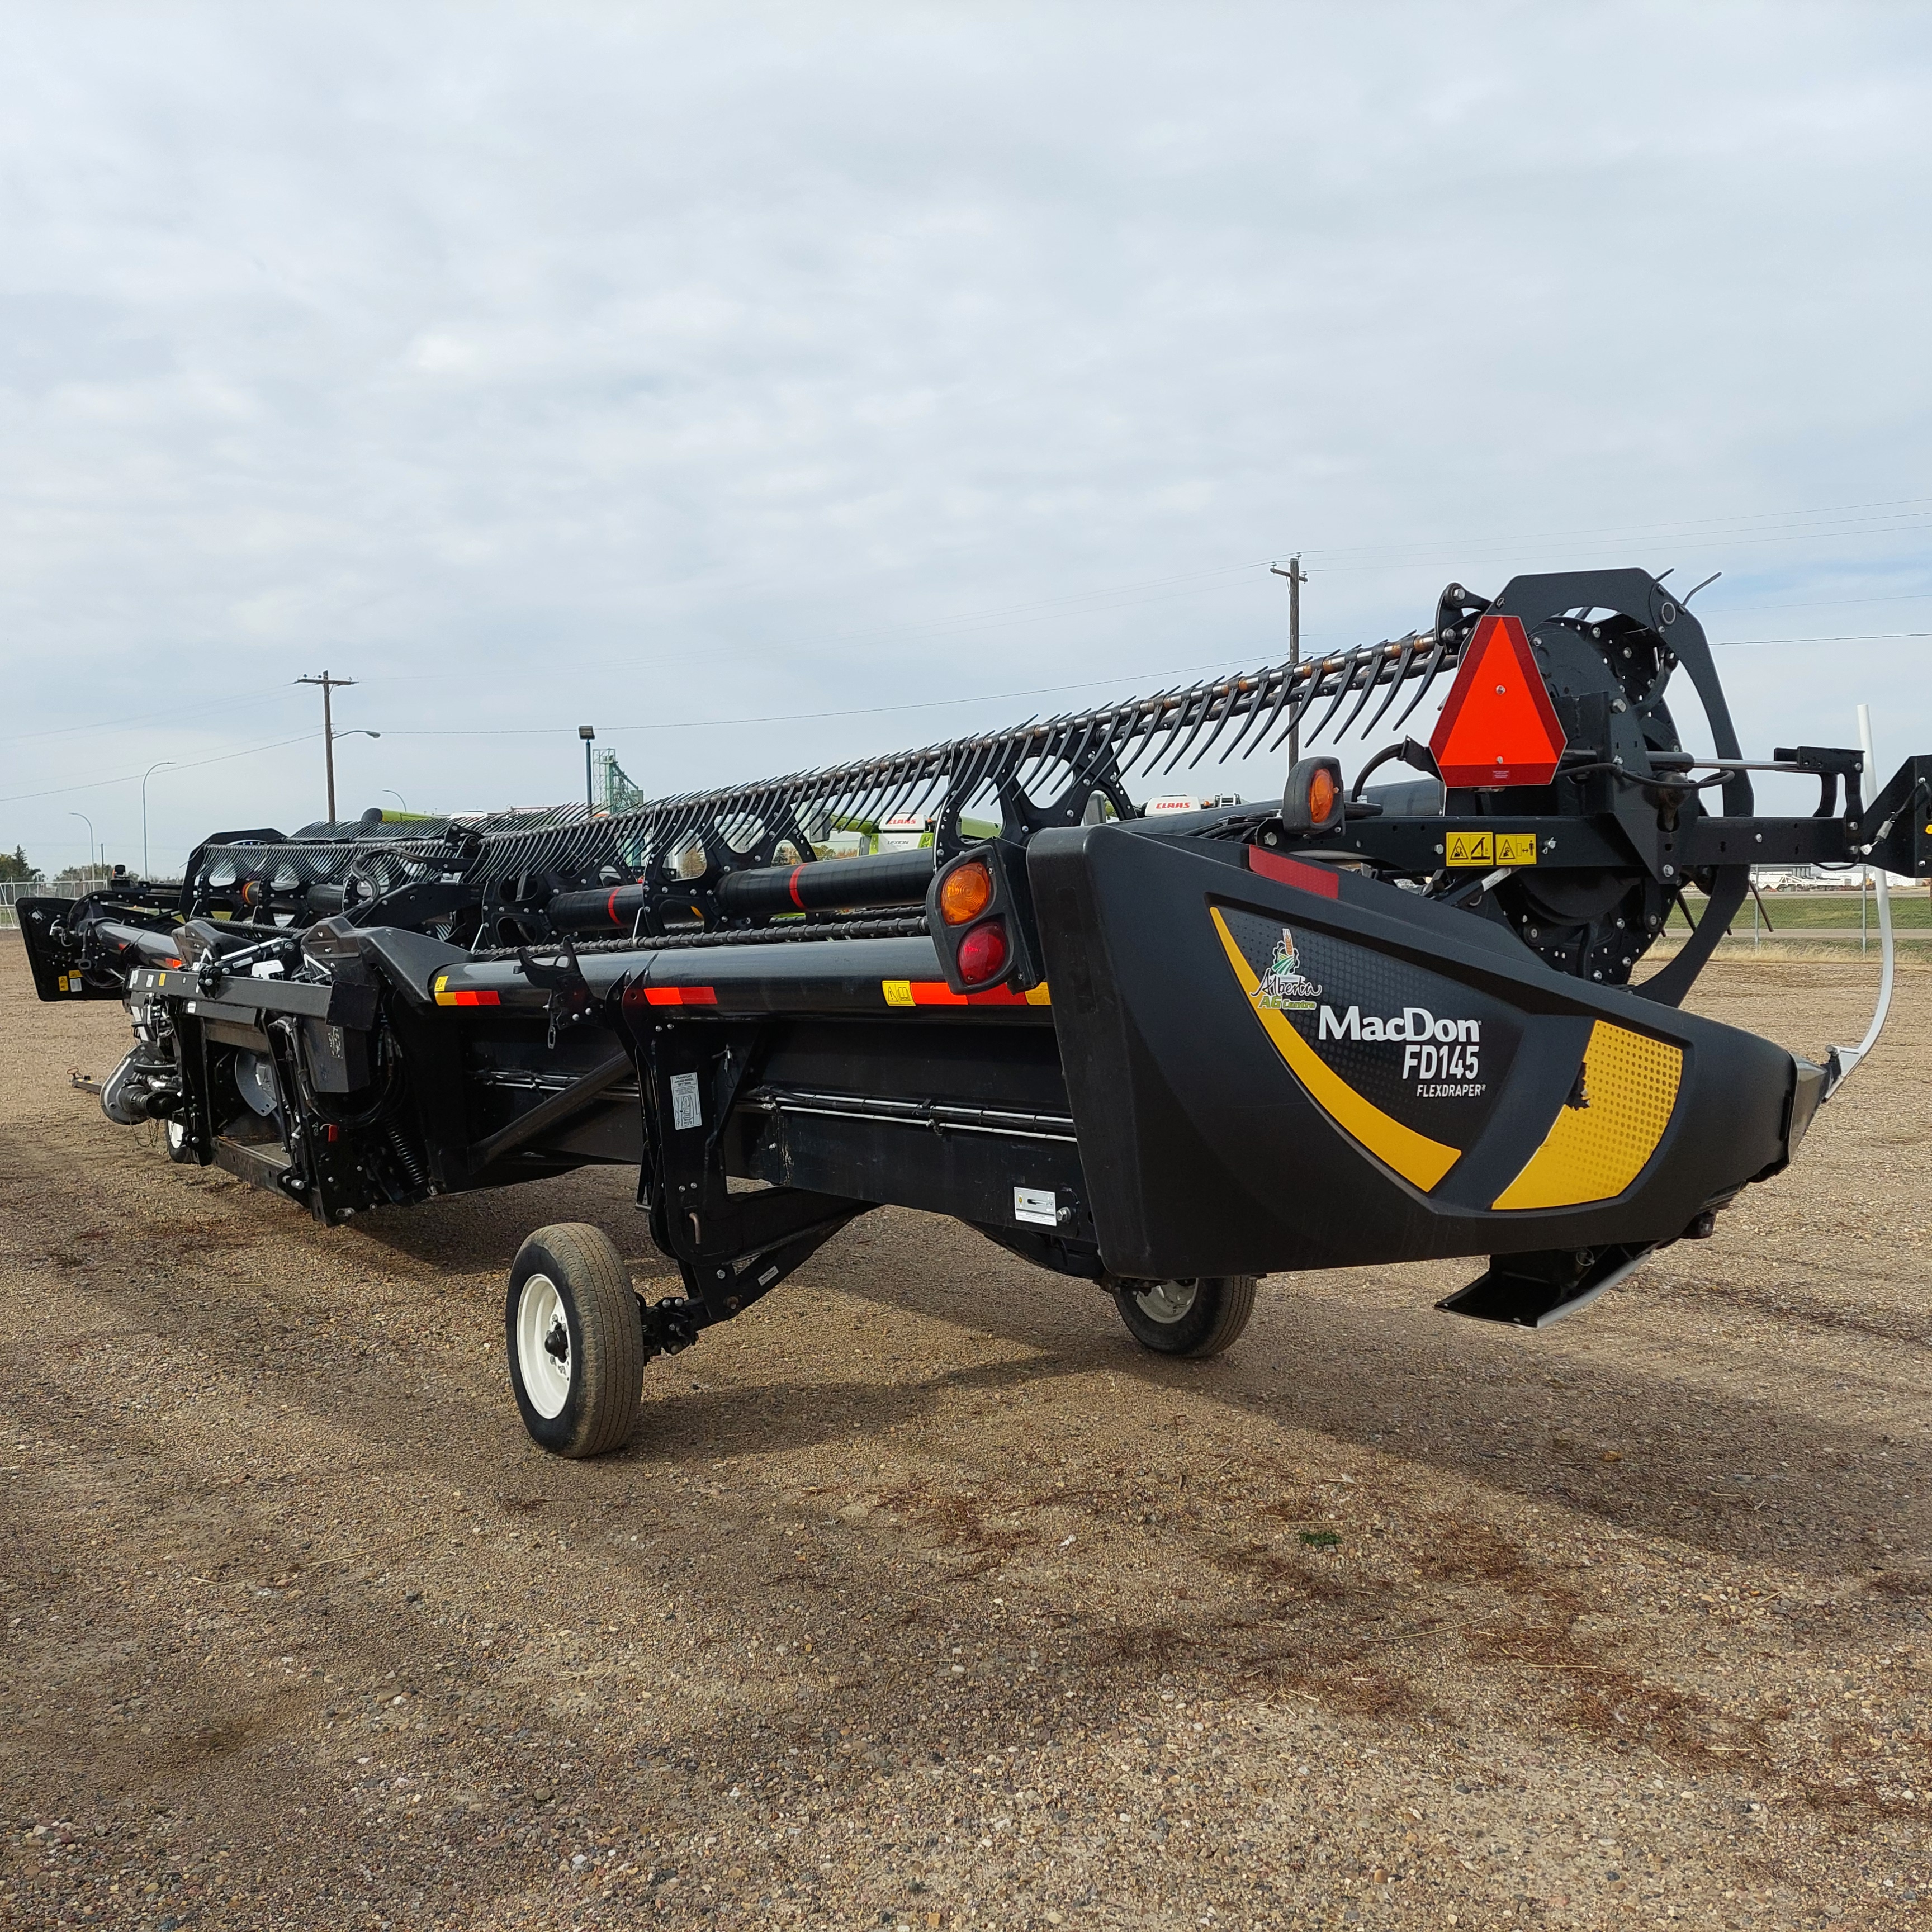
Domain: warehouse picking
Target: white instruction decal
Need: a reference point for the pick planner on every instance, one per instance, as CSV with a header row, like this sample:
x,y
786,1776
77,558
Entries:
x,y
685,1110
1035,1206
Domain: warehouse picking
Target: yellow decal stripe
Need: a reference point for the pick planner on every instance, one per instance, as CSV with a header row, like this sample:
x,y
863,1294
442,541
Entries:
x,y
1594,1152
1417,1158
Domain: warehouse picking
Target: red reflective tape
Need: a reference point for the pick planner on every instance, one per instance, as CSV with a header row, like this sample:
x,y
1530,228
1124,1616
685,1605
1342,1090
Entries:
x,y
466,998
681,996
791,886
1286,871
611,911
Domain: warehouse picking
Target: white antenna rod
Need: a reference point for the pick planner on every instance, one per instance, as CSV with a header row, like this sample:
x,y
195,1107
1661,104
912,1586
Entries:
x,y
1842,1059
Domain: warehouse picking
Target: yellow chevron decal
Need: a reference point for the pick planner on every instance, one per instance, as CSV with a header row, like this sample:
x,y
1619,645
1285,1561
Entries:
x,y
1418,1159
1593,1152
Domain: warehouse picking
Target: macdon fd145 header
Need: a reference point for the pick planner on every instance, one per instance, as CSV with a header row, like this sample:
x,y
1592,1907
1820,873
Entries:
x,y
1163,1055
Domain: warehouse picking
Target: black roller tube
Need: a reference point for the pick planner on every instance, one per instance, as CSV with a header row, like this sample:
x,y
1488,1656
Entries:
x,y
818,885
151,949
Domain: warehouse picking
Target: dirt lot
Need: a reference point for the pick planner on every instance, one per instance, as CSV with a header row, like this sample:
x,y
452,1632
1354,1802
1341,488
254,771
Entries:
x,y
922,1599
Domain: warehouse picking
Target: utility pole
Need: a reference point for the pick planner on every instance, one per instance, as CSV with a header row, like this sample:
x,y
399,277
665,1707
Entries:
x,y
328,684
1297,576
588,733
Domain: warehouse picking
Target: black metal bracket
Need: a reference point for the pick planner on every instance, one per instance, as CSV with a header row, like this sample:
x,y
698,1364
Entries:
x,y
730,1288
549,1113
571,1001
731,1248
1532,1291
1896,831
1828,765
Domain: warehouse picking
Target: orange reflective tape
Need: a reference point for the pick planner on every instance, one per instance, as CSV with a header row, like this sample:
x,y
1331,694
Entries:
x,y
938,993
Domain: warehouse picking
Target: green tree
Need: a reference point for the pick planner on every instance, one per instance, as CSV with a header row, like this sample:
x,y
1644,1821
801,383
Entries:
x,y
15,867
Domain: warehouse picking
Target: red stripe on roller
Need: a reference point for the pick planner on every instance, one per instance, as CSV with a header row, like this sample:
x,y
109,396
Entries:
x,y
1285,871
791,885
681,996
611,911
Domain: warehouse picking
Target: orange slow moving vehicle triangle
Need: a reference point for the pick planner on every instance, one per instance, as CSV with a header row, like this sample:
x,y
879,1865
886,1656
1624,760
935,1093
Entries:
x,y
1498,726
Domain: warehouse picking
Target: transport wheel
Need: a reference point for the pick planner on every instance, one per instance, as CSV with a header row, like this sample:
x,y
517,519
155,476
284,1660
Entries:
x,y
576,1340
174,1138
1197,1317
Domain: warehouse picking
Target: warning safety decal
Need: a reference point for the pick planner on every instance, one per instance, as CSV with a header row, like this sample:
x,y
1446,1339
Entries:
x,y
1472,849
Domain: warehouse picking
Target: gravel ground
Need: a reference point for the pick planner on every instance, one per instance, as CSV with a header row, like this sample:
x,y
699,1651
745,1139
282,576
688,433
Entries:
x,y
922,1599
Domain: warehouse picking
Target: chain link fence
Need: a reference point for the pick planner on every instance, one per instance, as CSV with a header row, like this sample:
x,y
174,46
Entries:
x,y
68,885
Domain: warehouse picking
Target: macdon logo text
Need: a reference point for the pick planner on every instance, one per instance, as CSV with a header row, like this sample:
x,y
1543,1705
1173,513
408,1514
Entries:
x,y
1433,1049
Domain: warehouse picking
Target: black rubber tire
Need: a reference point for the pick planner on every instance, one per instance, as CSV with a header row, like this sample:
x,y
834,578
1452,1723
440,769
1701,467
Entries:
x,y
180,1150
1212,1321
601,1378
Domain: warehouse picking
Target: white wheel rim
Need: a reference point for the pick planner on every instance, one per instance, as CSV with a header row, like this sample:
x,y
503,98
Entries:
x,y
543,1346
177,1134
1166,1301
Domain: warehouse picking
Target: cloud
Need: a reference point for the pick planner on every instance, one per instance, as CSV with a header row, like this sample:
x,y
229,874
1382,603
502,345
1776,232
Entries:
x,y
541,365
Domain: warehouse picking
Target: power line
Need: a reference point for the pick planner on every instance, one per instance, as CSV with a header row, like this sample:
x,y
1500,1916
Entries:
x,y
144,717
1856,637
133,778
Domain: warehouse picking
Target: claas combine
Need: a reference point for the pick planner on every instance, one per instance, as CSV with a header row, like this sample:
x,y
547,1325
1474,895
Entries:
x,y
1162,1054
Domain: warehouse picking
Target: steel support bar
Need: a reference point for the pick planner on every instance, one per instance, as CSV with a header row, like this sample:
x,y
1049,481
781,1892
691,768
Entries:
x,y
551,1113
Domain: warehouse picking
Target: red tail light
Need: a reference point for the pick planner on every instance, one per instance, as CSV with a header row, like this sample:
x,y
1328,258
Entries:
x,y
983,952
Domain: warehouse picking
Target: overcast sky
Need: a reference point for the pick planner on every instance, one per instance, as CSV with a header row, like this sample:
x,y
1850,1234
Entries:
x,y
879,374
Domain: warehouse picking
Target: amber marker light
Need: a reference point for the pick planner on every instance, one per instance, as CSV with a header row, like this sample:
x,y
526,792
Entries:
x,y
1322,791
965,894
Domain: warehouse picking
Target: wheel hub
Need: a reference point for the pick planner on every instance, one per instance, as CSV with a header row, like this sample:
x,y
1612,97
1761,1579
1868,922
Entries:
x,y
543,1346
1165,1300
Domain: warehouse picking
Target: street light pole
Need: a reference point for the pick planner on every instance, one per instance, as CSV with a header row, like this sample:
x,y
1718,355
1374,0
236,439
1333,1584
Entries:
x,y
1297,576
159,764
329,684
587,733
89,823
359,732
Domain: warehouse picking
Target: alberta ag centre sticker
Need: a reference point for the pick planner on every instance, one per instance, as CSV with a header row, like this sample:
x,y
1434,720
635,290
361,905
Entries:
x,y
1284,988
